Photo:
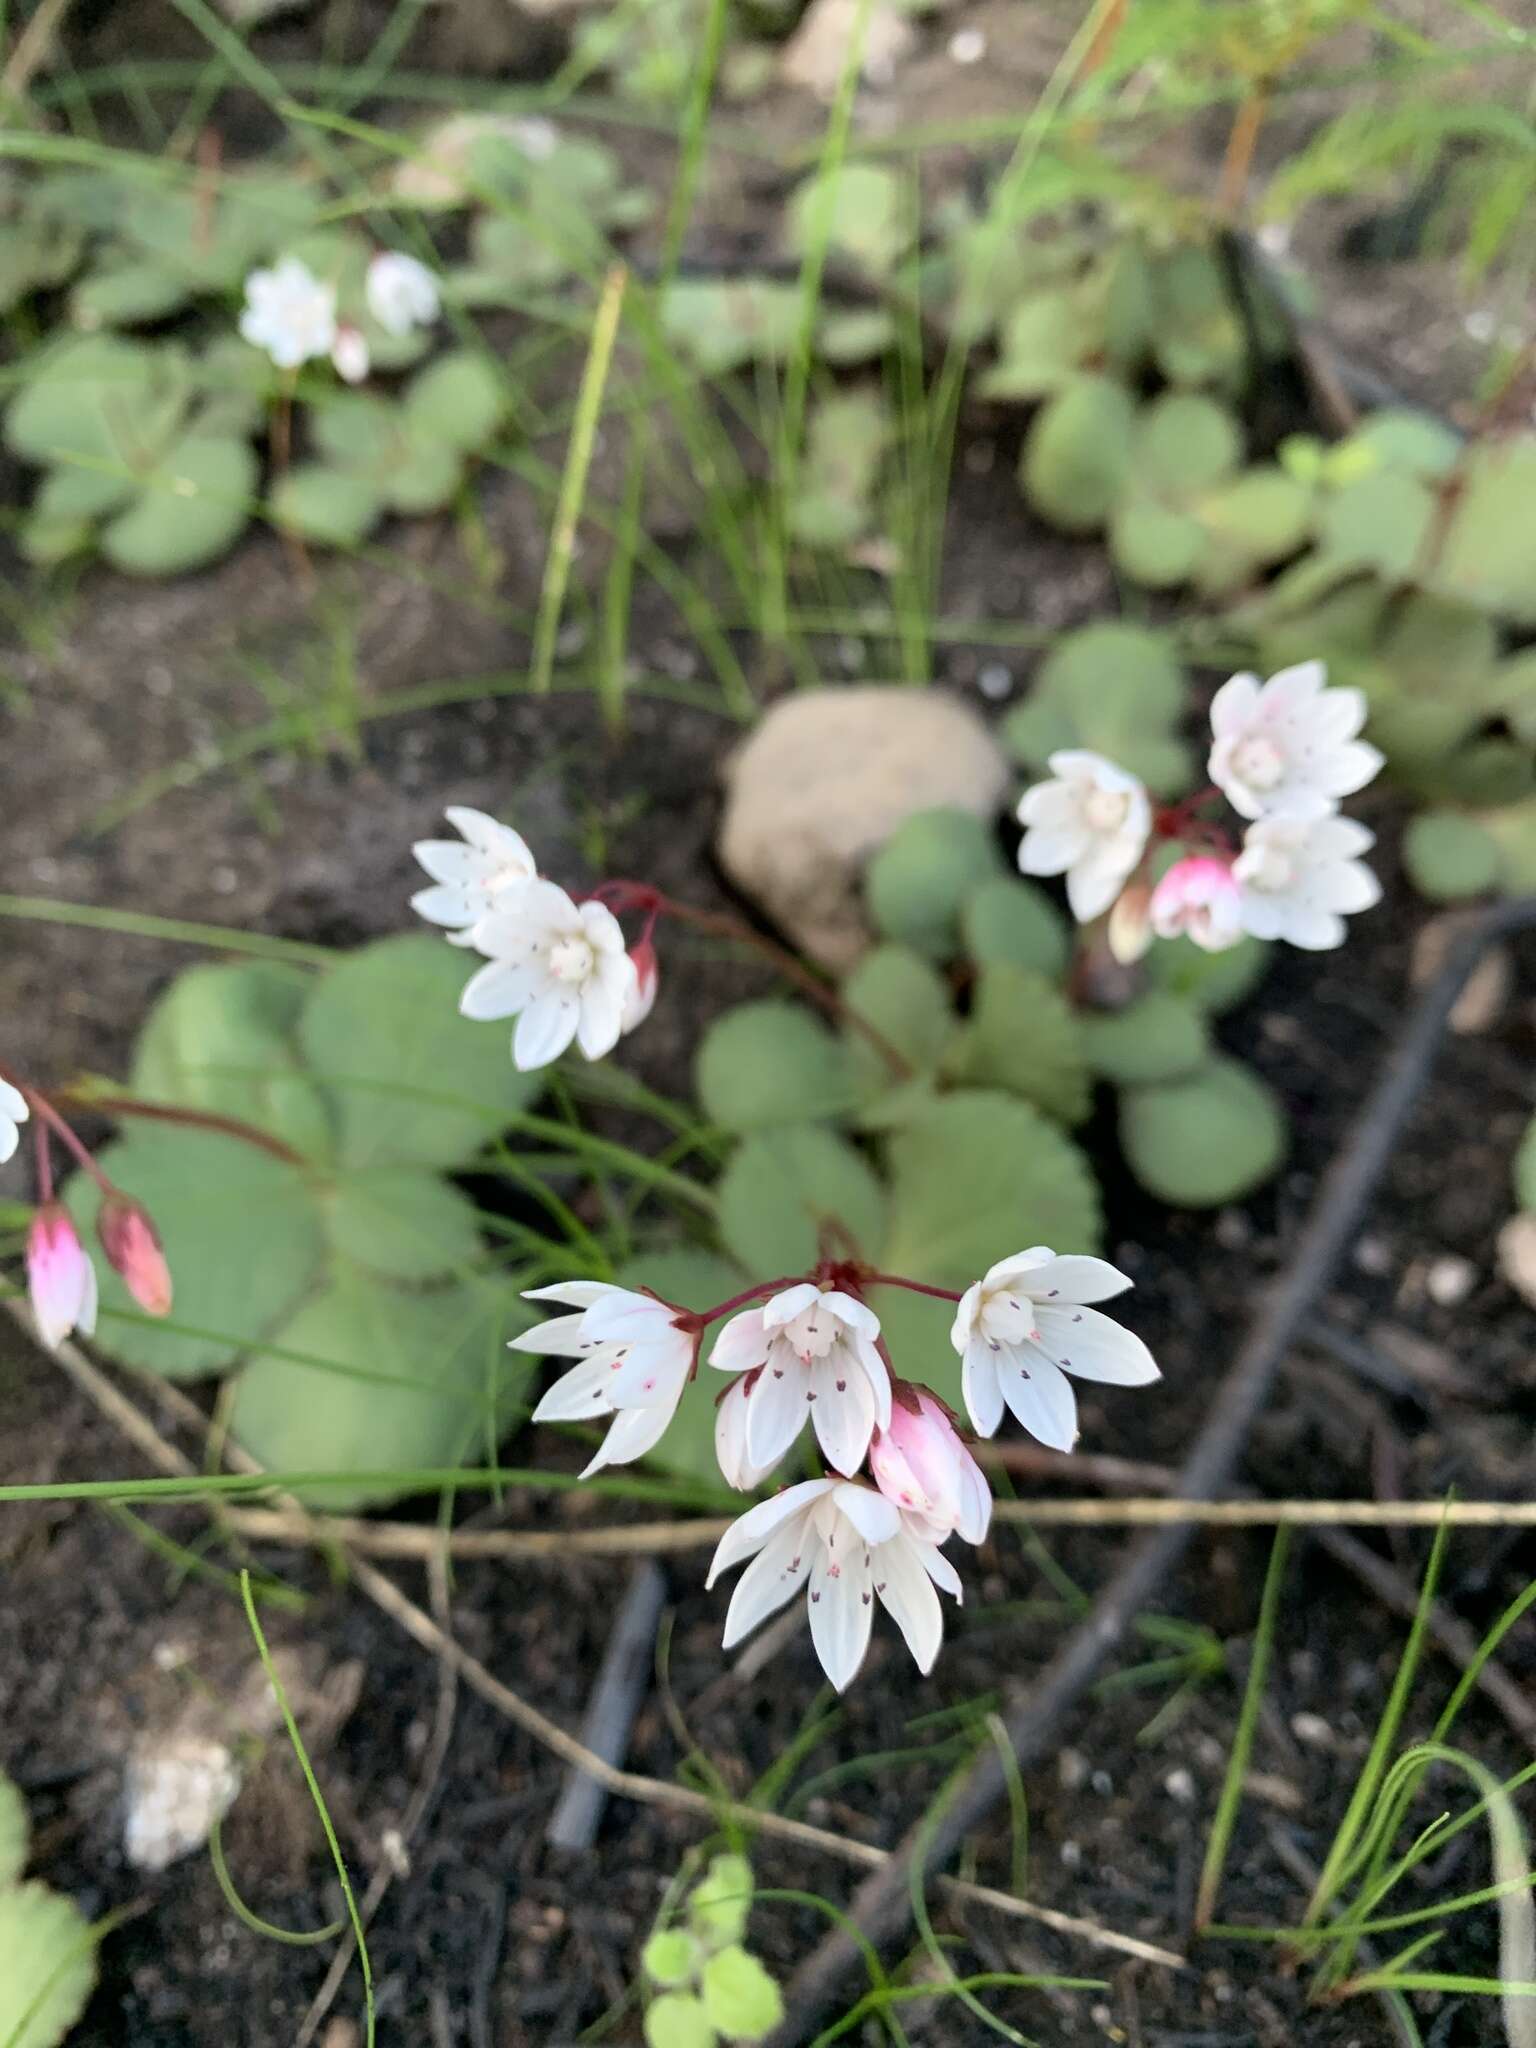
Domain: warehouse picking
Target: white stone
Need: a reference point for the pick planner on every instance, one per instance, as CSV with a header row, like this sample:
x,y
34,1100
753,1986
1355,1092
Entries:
x,y
815,54
825,780
1517,1255
177,1787
1450,1280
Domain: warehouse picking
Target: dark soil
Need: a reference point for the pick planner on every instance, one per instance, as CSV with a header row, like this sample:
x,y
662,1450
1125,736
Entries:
x,y
488,1939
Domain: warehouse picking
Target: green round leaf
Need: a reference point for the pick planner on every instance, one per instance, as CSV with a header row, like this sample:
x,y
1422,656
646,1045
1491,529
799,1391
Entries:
x,y
78,400
918,881
401,1381
1077,453
1380,522
896,991
772,1063
1214,982
1488,556
225,1038
77,494
1185,443
1450,856
460,399
428,476
327,505
47,1966
1262,515
1156,1038
127,295
978,1176
742,2000
1206,1139
15,1833
677,2020
412,1081
790,1193
403,1223
857,209
721,1901
189,511
1525,1168
671,1957
1155,544
1023,1035
1113,687
357,430
241,1235
1008,920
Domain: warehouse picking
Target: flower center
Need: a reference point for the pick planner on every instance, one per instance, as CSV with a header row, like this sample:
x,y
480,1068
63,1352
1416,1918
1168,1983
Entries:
x,y
571,960
1104,810
1258,762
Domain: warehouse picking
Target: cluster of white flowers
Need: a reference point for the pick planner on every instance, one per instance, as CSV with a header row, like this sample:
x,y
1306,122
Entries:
x,y
813,1350
290,313
560,967
1284,753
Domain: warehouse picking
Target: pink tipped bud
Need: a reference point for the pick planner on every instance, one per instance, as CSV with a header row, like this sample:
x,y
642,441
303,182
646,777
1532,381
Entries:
x,y
641,1000
1129,932
923,1468
349,355
132,1244
60,1277
1200,897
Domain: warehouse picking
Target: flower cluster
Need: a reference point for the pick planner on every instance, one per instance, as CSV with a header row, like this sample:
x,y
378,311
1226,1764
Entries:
x,y
562,968
1283,754
898,1478
290,313
61,1281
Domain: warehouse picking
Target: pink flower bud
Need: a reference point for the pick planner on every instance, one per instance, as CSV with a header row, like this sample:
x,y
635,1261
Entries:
x,y
349,355
132,1244
60,1277
1129,932
641,1000
923,1468
1199,897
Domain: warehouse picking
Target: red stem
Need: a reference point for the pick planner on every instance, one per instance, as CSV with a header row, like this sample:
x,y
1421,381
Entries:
x,y
44,1162
912,1286
194,1119
47,1115
706,1316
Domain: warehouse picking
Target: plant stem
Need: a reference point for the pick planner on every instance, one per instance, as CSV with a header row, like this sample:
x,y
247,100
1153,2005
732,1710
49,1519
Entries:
x,y
912,1286
1241,144
47,1115
172,1113
706,1316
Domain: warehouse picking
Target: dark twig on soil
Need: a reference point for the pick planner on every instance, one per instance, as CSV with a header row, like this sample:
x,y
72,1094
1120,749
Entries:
x,y
883,1905
610,1716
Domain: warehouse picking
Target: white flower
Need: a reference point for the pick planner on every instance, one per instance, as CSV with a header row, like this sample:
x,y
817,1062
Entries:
x,y
635,1362
349,355
845,1543
484,874
1090,823
289,313
1289,744
560,967
1025,1326
13,1112
401,292
1300,877
1199,897
812,1351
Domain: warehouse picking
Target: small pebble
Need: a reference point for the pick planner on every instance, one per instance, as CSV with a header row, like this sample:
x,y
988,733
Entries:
x,y
1071,1854
1180,1785
994,680
1102,1783
1450,1280
967,46
1233,1230
1071,1769
1517,1255
1373,1256
1313,1730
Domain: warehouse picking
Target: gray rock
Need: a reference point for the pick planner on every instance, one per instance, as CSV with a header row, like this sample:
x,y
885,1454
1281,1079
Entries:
x,y
825,780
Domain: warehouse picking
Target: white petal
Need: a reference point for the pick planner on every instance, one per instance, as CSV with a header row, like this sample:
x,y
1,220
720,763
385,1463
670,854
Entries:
x,y
450,860
1073,1278
875,1518
975,1516
981,1388
493,991
858,1315
600,1019
1040,1395
908,1596
622,1315
560,1337
938,1568
85,1315
1346,886
751,1531
776,1574
635,1431
1350,767
843,1411
10,1138
841,1607
1289,689
572,1293
650,1373
578,1395
783,1308
544,1030
1051,850
1094,1347
879,1379
741,1344
489,836
1314,931
13,1103
603,929
1234,705
963,1327
776,1412
1094,882
444,903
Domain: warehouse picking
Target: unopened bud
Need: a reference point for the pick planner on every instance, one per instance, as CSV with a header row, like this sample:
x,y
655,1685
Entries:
x,y
641,1000
1129,931
349,355
132,1244
61,1280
